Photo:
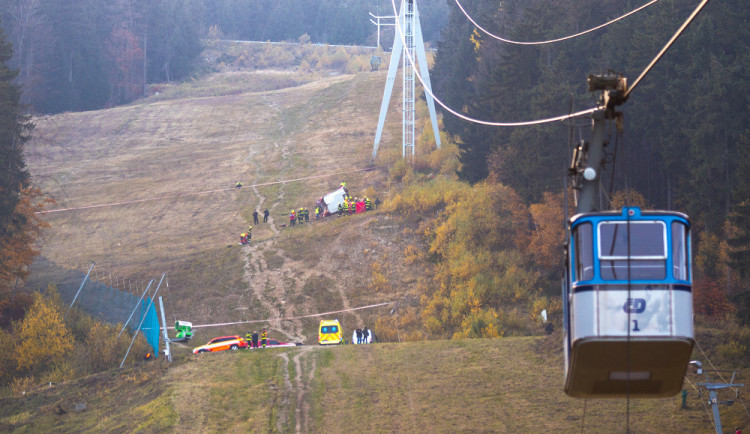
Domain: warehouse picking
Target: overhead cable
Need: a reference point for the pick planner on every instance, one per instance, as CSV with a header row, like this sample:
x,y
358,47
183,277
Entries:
x,y
470,119
290,318
666,47
199,193
551,41
552,119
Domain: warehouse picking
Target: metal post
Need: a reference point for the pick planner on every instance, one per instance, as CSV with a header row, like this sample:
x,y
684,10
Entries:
x,y
714,400
134,309
378,24
594,165
79,291
424,71
164,331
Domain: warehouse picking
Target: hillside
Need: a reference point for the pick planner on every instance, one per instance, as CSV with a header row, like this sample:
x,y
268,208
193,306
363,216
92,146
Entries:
x,y
262,132
487,385
149,189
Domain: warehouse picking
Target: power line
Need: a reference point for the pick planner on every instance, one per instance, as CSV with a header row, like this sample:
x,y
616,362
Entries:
x,y
550,41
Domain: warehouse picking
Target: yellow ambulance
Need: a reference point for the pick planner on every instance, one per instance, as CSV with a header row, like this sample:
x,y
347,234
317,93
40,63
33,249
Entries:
x,y
329,332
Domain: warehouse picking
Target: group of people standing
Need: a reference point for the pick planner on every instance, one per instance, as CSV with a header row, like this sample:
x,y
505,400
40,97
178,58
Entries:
x,y
253,339
300,216
363,336
349,206
256,214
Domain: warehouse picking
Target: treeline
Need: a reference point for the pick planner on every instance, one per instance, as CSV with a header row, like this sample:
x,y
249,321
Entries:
x,y
42,344
325,21
87,54
686,141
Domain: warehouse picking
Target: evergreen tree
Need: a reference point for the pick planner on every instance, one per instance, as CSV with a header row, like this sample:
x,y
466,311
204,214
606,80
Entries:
x,y
14,132
740,217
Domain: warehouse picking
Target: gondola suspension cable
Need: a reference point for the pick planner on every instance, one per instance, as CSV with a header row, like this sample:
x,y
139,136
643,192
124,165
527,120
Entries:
x,y
551,41
545,120
666,47
470,119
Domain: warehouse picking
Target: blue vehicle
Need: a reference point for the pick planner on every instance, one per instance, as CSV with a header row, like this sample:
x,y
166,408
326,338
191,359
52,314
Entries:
x,y
628,303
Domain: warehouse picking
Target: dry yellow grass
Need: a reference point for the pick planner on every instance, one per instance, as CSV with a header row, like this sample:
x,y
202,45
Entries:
x,y
256,127
232,126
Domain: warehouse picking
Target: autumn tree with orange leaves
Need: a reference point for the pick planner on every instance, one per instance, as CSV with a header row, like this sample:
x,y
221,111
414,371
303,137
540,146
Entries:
x,y
17,248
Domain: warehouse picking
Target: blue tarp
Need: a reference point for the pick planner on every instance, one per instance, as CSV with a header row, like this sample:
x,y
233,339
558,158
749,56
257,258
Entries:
x,y
150,325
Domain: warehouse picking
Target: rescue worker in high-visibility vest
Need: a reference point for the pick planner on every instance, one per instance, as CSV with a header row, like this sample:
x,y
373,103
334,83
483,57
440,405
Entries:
x,y
317,212
341,209
368,204
263,338
352,207
301,215
249,234
243,238
292,218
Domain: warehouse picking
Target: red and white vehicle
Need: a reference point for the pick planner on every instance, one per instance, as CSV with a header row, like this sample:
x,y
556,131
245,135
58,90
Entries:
x,y
222,343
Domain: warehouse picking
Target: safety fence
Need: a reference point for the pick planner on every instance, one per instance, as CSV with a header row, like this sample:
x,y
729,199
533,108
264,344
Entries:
x,y
99,299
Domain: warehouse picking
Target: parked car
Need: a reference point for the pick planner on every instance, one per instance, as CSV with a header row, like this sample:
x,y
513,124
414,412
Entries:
x,y
222,343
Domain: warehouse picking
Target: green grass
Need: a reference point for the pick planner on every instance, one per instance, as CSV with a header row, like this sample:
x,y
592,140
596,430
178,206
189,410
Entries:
x,y
498,385
487,385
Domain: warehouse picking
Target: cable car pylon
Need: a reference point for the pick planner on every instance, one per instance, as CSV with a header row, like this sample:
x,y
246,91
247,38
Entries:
x,y
412,43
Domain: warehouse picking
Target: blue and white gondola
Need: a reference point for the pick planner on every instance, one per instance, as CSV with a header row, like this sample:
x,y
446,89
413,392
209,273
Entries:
x,y
628,304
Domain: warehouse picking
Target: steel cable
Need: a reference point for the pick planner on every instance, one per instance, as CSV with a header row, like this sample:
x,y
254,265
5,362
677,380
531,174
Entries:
x,y
550,41
546,120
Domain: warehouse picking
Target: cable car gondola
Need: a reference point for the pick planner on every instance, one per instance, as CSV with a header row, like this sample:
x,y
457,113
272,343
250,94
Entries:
x,y
628,308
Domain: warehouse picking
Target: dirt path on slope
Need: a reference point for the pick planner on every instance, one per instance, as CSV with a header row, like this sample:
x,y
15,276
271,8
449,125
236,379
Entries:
x,y
274,279
302,409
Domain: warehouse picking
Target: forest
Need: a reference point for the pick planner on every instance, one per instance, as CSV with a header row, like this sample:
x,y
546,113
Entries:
x,y
685,141
685,144
89,54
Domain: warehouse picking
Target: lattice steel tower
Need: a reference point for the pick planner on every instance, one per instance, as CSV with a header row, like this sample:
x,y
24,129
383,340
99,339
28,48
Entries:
x,y
408,103
411,47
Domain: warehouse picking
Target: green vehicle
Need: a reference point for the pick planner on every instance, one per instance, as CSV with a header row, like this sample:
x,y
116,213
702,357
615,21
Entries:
x,y
184,331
